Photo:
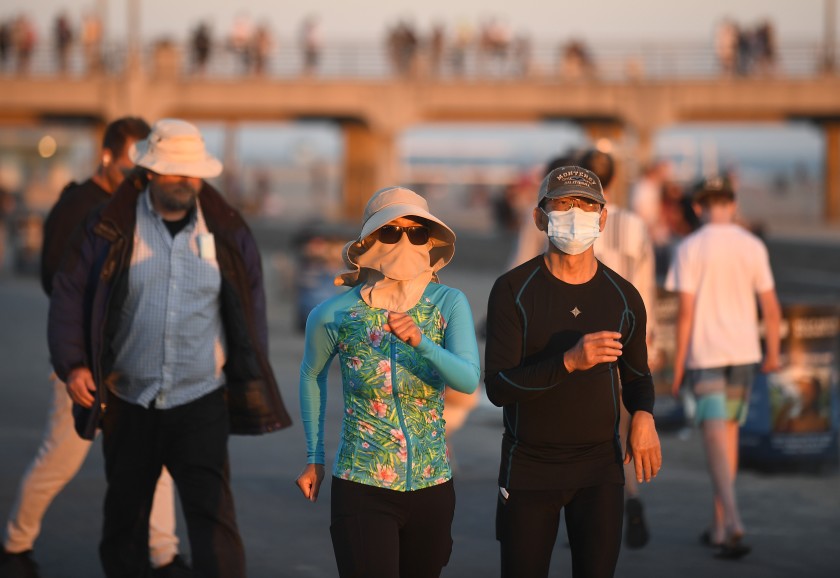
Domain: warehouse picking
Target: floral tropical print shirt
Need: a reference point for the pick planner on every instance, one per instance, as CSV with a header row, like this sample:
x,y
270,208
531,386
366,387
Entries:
x,y
392,432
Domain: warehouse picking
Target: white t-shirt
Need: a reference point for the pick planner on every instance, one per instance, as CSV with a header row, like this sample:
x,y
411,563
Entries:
x,y
625,247
724,266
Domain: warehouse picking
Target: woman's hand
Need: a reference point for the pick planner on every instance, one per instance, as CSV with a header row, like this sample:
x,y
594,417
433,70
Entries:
x,y
403,326
309,481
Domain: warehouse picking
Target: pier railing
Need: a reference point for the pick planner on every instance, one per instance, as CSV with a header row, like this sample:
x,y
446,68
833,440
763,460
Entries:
x,y
550,61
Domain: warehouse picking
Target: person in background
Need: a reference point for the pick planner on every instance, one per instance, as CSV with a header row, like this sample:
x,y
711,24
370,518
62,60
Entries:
x,y
91,39
717,272
563,331
158,326
625,247
201,44
646,200
310,40
63,39
62,451
401,337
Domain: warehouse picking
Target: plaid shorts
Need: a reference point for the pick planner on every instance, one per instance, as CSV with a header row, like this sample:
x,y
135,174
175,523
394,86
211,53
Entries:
x,y
722,392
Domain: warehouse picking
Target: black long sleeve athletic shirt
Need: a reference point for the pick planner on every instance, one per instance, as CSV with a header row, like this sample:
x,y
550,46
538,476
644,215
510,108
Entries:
x,y
561,428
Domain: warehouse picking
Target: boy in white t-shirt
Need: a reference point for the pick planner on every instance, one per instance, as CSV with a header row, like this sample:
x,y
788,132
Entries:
x,y
718,271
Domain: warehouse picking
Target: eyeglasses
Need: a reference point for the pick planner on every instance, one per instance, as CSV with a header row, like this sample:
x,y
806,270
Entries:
x,y
567,203
390,234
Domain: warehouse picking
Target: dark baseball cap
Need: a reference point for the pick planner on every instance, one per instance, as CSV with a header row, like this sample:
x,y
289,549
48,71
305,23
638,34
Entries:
x,y
709,186
571,181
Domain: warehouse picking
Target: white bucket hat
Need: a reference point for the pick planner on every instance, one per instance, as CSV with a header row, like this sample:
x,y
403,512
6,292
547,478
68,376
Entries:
x,y
383,207
175,147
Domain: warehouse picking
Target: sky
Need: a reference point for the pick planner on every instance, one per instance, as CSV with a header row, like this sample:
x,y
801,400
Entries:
x,y
590,20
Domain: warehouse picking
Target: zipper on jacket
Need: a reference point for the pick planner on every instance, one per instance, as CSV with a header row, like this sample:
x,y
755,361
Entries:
x,y
398,404
112,267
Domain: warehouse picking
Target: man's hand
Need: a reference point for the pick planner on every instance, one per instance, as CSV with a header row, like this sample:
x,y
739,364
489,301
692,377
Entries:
x,y
80,386
643,446
592,349
309,481
403,326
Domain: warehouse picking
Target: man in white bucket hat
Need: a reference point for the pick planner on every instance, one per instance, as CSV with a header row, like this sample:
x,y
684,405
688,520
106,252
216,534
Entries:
x,y
159,329
401,338
62,451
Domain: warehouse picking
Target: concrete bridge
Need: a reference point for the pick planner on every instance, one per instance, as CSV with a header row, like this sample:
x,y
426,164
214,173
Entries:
x,y
372,111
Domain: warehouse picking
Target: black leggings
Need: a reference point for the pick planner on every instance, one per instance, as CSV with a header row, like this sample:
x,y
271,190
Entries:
x,y
528,520
381,533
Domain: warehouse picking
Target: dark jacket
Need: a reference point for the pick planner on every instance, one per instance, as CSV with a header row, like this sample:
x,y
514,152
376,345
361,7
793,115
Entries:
x,y
68,213
91,286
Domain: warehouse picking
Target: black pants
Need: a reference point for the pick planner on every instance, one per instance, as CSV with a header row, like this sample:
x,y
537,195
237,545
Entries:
x,y
191,441
381,533
528,520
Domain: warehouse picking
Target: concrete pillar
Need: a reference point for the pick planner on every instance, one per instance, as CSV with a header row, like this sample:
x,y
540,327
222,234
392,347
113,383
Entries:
x,y
832,172
370,163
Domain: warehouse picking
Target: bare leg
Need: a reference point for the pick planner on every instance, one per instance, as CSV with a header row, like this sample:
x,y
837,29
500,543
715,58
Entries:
x,y
717,434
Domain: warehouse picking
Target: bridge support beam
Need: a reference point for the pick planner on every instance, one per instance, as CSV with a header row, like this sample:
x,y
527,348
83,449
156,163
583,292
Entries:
x,y
370,163
832,172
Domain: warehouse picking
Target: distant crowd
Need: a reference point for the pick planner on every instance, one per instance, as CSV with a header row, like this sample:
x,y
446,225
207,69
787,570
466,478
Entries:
x,y
19,38
489,48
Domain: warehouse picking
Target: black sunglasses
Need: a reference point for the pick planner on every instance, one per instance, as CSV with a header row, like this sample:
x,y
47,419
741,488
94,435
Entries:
x,y
390,234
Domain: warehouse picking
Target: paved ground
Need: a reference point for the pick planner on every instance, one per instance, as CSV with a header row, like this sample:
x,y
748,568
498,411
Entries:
x,y
793,519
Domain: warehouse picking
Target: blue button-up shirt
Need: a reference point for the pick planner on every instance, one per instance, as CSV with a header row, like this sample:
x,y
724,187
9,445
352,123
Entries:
x,y
169,344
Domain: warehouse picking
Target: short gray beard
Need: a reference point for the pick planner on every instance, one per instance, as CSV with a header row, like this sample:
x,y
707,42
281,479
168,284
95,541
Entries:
x,y
174,205
170,203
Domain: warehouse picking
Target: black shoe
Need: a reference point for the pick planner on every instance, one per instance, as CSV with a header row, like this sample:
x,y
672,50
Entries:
x,y
178,568
733,549
18,565
706,540
636,534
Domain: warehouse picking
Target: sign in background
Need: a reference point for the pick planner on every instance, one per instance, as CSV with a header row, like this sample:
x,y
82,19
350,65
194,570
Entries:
x,y
794,414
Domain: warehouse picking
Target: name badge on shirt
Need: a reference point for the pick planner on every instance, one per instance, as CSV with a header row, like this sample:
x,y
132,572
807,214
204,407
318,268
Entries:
x,y
206,246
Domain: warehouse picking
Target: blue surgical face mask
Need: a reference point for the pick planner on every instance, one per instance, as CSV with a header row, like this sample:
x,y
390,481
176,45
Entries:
x,y
573,231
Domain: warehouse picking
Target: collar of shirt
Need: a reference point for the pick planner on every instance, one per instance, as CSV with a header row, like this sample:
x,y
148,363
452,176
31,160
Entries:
x,y
196,215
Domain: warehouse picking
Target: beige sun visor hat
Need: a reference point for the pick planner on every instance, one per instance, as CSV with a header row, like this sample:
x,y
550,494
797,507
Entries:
x,y
383,207
175,147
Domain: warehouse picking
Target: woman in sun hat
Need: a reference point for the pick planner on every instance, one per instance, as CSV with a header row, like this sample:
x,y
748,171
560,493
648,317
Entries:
x,y
400,337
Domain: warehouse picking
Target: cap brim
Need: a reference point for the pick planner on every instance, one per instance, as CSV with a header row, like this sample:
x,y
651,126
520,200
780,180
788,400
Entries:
x,y
573,192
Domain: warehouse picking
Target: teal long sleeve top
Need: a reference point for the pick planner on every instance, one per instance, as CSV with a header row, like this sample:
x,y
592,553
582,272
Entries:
x,y
392,433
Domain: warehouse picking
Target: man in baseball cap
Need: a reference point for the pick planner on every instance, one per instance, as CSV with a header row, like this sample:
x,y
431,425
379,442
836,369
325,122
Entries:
x,y
563,331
